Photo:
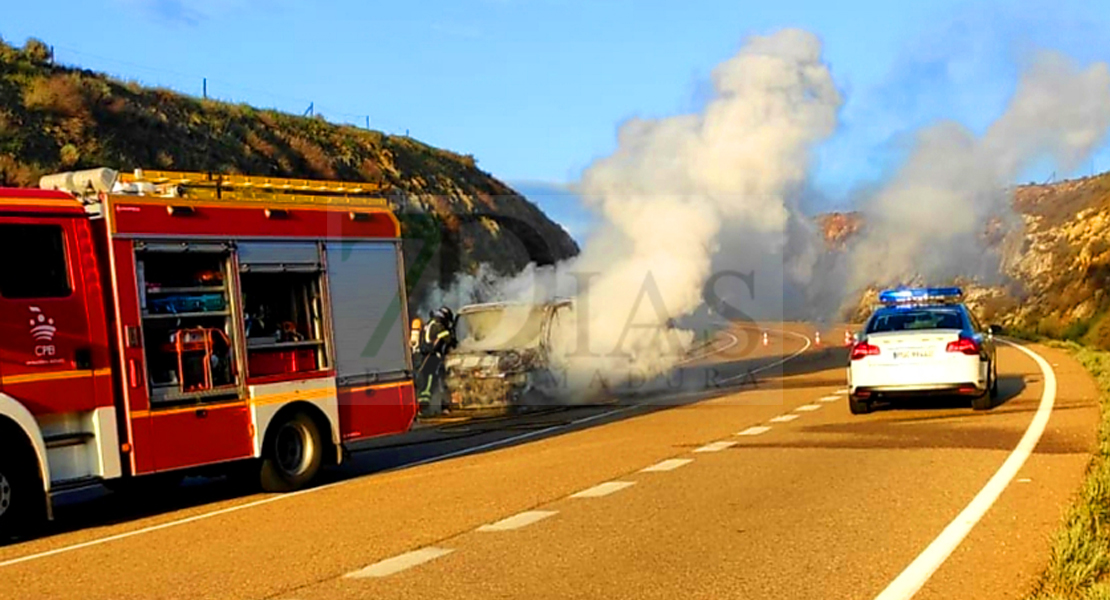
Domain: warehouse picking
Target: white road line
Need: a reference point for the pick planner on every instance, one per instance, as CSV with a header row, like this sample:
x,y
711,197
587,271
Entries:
x,y
840,393
758,429
716,447
784,418
275,498
286,496
922,568
777,362
401,562
604,489
829,398
807,408
517,521
667,465
735,340
510,440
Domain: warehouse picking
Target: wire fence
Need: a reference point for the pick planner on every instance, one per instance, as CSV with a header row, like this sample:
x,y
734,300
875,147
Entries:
x,y
226,91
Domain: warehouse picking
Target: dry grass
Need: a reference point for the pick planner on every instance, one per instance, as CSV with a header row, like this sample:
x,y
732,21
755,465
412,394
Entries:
x,y
1079,568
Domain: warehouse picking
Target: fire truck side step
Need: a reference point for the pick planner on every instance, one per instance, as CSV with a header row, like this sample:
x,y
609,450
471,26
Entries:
x,y
67,439
70,485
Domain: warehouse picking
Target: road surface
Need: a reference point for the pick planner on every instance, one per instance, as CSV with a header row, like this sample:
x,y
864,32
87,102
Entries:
x,y
764,488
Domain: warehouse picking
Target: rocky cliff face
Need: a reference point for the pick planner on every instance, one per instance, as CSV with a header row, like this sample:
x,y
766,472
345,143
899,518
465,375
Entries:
x,y
455,216
1055,268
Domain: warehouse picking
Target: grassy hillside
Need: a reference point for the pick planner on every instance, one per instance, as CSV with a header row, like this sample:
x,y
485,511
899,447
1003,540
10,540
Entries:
x,y
55,118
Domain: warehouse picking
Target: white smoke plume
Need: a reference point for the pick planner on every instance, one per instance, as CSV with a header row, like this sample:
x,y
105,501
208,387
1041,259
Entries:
x,y
669,193
927,222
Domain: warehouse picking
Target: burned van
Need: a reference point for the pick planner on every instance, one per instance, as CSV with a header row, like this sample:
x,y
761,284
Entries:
x,y
503,359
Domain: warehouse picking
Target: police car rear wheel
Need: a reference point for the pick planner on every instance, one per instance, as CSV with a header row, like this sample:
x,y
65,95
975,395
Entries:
x,y
858,406
293,456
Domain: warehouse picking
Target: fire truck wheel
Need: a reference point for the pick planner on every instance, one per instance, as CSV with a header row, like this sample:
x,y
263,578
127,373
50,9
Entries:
x,y
293,456
21,495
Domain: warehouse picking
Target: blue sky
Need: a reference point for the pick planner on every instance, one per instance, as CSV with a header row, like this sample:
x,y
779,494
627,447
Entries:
x,y
536,88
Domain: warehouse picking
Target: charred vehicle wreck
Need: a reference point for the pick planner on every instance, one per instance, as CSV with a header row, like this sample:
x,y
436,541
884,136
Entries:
x,y
503,360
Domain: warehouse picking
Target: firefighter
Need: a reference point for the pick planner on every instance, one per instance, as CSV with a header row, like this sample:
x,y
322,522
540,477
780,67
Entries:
x,y
437,339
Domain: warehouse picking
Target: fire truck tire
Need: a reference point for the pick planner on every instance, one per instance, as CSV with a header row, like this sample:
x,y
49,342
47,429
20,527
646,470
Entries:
x,y
293,454
21,495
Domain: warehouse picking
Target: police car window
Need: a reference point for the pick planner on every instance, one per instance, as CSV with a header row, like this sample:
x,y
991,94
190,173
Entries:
x,y
913,320
40,271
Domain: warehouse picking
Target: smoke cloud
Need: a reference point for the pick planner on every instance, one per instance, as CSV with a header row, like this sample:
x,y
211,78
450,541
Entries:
x,y
927,222
688,198
675,192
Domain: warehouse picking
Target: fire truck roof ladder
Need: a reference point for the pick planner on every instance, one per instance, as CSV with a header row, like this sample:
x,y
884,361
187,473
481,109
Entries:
x,y
218,187
208,186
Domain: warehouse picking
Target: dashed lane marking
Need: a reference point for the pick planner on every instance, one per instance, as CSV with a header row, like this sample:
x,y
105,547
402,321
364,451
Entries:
x,y
755,430
437,458
401,562
784,418
716,447
807,408
830,398
841,392
667,465
517,521
604,489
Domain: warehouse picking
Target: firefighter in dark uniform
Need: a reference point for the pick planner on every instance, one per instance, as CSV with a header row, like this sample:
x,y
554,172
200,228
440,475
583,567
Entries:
x,y
437,339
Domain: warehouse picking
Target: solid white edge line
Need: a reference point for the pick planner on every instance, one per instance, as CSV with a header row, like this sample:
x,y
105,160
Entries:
x,y
401,562
735,341
777,363
518,520
285,496
603,489
911,580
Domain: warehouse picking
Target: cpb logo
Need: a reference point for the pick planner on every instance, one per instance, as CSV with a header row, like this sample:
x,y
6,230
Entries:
x,y
42,328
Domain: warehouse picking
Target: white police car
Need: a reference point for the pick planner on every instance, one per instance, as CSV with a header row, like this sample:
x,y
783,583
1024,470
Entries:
x,y
922,341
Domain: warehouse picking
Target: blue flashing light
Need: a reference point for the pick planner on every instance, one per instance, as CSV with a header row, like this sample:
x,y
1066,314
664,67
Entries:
x,y
938,295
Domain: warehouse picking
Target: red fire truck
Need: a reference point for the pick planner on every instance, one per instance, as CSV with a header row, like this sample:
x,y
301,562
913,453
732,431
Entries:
x,y
158,322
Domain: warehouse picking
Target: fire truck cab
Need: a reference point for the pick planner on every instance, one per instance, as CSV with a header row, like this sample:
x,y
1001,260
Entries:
x,y
158,322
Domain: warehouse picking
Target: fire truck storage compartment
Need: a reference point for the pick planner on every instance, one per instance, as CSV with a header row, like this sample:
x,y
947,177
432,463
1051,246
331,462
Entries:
x,y
368,312
185,301
283,307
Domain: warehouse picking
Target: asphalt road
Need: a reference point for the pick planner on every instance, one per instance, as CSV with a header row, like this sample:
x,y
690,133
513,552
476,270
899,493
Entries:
x,y
808,502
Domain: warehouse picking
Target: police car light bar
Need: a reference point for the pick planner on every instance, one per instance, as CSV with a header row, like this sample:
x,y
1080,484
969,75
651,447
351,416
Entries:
x,y
940,295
